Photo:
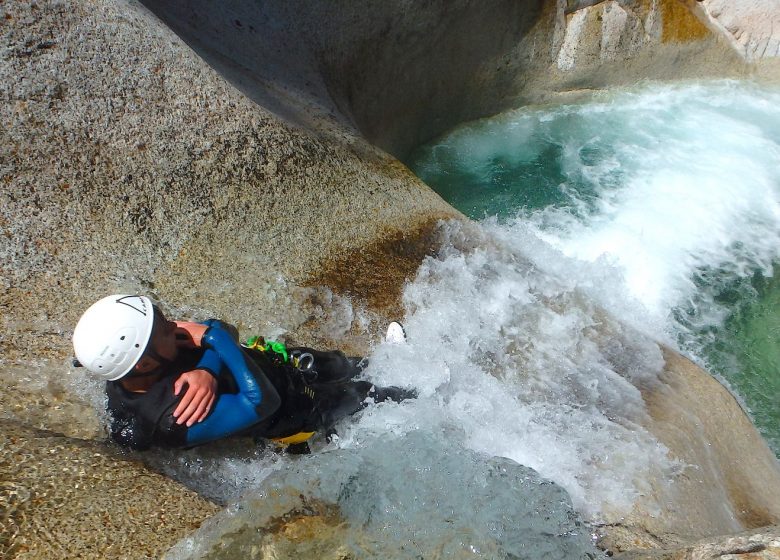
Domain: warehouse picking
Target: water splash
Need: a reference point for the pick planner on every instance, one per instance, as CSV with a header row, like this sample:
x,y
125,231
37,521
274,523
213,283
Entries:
x,y
663,202
412,497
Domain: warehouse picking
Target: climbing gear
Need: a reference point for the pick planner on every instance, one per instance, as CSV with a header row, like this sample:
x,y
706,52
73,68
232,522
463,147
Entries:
x,y
300,437
277,351
112,335
302,361
259,343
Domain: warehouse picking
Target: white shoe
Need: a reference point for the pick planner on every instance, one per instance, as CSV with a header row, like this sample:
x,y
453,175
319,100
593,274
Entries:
x,y
395,333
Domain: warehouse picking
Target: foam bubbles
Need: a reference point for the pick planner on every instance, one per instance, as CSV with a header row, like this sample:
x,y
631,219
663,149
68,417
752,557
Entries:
x,y
518,364
623,203
656,183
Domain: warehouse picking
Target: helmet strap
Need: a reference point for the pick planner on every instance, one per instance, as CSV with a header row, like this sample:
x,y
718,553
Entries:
x,y
163,364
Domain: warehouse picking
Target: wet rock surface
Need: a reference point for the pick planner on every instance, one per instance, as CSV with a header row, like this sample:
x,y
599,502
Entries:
x,y
128,164
728,481
68,498
761,544
405,498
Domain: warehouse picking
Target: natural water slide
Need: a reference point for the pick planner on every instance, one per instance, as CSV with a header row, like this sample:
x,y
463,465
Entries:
x,y
131,164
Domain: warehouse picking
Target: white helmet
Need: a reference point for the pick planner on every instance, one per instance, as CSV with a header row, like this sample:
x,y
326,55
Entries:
x,y
111,336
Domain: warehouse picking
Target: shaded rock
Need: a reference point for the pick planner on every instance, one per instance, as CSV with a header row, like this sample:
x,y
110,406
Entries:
x,y
402,73
69,498
399,72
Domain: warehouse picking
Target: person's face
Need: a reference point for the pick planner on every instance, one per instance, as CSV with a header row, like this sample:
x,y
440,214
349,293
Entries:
x,y
162,344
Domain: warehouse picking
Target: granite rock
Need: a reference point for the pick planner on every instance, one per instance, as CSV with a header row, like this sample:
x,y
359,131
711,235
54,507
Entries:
x,y
258,188
760,544
68,498
729,479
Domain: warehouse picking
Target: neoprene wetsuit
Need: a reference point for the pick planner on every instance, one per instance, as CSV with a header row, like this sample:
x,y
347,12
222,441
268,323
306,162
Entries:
x,y
256,396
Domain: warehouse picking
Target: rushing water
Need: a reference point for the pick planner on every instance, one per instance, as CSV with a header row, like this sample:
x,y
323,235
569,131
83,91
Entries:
x,y
603,226
674,191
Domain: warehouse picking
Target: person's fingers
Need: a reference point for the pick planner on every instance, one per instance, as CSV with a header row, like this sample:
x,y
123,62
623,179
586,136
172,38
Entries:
x,y
177,387
206,409
197,401
190,411
184,404
198,414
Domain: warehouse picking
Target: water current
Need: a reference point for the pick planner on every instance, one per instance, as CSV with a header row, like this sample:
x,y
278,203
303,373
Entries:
x,y
674,191
635,216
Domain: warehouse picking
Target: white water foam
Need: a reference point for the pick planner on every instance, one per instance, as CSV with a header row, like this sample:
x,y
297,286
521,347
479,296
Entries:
x,y
512,362
692,182
508,343
509,361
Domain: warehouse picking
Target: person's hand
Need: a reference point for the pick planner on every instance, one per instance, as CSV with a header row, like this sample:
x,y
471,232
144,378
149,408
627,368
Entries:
x,y
199,397
189,335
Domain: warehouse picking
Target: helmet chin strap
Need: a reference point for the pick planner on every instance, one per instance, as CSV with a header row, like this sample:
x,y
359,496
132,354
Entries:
x,y
163,364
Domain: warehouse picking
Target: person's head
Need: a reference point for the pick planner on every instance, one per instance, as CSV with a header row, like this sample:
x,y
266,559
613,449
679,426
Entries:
x,y
122,335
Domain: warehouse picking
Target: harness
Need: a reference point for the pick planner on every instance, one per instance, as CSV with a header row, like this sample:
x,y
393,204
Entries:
x,y
295,361
303,362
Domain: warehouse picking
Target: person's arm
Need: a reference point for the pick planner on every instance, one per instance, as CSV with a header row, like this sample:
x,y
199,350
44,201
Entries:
x,y
251,381
189,334
231,415
201,392
201,383
256,400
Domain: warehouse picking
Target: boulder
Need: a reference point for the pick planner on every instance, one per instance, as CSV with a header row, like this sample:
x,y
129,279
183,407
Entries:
x,y
752,28
761,544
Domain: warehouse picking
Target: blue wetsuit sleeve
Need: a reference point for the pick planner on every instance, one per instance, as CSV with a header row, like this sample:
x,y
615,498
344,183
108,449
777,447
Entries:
x,y
256,400
231,330
211,362
231,414
232,356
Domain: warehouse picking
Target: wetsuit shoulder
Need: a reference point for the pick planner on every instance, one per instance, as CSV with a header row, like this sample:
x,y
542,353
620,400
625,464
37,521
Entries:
x,y
255,400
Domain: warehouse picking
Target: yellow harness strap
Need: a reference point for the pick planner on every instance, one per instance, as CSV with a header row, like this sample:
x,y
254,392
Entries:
x,y
300,437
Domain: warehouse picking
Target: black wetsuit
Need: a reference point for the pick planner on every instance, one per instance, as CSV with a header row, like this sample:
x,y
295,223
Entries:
x,y
258,395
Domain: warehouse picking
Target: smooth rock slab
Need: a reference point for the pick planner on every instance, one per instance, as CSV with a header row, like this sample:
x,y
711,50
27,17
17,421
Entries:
x,y
752,26
67,498
761,544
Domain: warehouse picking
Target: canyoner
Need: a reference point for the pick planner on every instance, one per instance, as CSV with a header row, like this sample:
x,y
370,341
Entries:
x,y
183,384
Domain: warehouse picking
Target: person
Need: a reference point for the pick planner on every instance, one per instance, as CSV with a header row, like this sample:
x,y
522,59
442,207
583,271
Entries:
x,y
183,384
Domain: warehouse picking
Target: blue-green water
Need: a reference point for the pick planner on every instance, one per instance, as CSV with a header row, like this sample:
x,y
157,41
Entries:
x,y
671,192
